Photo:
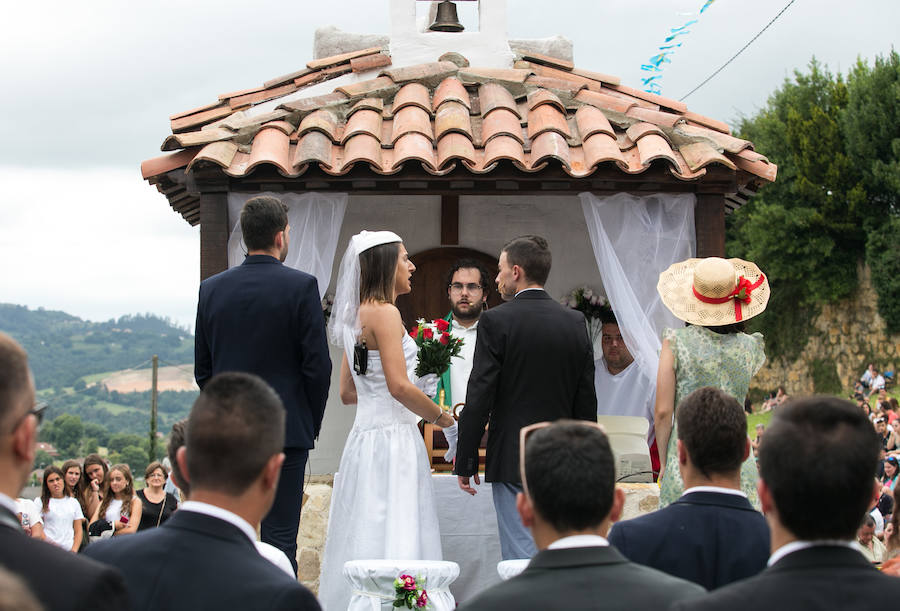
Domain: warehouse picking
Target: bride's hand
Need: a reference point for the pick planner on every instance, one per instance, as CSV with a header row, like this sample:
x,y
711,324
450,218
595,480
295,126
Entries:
x,y
428,384
451,433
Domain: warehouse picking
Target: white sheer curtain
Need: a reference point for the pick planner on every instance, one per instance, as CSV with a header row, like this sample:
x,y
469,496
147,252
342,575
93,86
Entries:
x,y
315,220
634,239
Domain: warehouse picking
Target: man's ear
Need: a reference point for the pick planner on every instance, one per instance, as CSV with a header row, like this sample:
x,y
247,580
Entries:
x,y
526,510
682,453
279,239
181,459
618,505
272,471
24,440
767,503
746,449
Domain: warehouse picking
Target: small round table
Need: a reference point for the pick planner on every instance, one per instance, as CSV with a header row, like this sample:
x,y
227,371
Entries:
x,y
507,569
372,582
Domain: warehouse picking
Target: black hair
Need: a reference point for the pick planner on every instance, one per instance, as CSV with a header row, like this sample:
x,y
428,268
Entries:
x,y
377,270
176,440
236,425
570,474
262,217
470,264
607,316
713,428
820,452
532,254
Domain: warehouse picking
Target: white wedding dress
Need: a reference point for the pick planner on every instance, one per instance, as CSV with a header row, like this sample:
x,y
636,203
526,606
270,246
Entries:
x,y
383,504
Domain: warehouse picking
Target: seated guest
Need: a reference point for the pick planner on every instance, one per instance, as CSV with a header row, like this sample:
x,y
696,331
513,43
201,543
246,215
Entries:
x,y
203,556
877,382
58,579
711,535
622,389
569,502
158,504
872,548
868,376
176,442
818,452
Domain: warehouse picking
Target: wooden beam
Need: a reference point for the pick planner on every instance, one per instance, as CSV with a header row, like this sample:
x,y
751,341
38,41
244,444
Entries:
x,y
449,220
709,224
213,234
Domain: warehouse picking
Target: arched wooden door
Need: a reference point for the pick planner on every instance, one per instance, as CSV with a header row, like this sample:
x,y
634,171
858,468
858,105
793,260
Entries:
x,y
428,298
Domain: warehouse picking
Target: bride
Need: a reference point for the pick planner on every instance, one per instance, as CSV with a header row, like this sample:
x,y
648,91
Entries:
x,y
383,503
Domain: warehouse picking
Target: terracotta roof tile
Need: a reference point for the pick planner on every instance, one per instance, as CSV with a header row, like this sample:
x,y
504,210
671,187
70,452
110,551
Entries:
x,y
601,147
312,147
411,119
197,138
504,147
234,94
545,96
201,118
414,146
343,58
639,130
546,60
309,78
272,146
591,120
452,117
413,94
597,76
563,75
666,119
651,97
602,100
701,154
722,141
719,126
455,146
261,96
362,147
376,104
547,145
546,82
652,146
450,89
334,71
364,121
429,75
218,153
199,109
281,80
493,96
503,122
547,117
166,163
307,105
370,62
748,163
320,120
473,76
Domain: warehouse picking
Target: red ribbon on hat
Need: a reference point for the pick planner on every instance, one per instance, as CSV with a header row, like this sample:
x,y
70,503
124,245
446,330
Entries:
x,y
741,293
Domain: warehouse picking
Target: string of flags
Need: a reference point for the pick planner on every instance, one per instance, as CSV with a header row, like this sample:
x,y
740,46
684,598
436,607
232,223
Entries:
x,y
672,42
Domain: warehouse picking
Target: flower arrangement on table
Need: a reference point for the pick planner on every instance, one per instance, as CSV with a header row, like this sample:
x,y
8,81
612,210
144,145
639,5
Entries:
x,y
410,592
436,346
590,303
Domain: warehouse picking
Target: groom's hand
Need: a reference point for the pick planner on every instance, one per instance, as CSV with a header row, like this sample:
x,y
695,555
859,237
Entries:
x,y
464,483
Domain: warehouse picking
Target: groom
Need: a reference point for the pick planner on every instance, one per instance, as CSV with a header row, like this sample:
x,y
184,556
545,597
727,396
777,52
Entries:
x,y
533,362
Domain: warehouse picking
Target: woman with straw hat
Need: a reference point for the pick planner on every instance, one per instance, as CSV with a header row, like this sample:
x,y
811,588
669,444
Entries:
x,y
714,296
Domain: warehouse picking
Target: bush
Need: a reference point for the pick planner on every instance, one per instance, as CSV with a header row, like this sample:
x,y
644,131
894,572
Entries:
x,y
883,257
825,377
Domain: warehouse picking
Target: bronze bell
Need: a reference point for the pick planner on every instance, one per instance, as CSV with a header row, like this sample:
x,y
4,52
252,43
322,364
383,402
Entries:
x,y
446,19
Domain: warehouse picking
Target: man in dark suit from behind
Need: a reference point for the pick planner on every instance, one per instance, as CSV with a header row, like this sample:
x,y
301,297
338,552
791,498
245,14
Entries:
x,y
533,362
59,579
569,502
816,462
265,318
711,535
204,557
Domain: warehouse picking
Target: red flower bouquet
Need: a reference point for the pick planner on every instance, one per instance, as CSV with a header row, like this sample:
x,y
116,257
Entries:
x,y
436,346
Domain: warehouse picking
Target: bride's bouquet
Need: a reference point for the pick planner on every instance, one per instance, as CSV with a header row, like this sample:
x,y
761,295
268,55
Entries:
x,y
436,346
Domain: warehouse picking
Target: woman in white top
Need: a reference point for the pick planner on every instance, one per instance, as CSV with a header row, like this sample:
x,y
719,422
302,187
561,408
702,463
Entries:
x,y
120,506
61,513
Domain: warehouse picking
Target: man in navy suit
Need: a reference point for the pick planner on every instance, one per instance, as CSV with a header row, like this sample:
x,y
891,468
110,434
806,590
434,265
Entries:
x,y
59,579
204,557
818,454
265,318
711,535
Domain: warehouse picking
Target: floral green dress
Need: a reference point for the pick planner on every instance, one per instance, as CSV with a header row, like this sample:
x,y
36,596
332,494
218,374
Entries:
x,y
706,358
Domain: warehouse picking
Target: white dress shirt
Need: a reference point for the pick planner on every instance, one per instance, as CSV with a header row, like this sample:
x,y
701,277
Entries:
x,y
579,541
627,393
796,546
461,366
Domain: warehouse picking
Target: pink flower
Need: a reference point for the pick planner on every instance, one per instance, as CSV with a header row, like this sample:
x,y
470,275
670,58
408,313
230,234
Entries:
x,y
422,600
409,582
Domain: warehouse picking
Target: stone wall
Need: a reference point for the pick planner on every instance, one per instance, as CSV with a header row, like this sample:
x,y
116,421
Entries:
x,y
848,334
639,499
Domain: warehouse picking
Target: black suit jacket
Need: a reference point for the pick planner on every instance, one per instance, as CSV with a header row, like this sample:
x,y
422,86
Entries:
x,y
584,578
194,562
61,580
831,577
265,318
709,538
533,362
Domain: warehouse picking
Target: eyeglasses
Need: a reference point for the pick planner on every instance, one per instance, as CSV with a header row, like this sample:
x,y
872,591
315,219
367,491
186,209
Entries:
x,y
525,431
457,287
37,411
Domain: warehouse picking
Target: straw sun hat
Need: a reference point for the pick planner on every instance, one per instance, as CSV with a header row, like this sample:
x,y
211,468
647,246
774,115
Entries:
x,y
713,292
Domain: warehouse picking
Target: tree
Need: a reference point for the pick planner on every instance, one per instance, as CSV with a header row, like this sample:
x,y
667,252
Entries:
x,y
97,431
42,459
119,441
67,431
135,457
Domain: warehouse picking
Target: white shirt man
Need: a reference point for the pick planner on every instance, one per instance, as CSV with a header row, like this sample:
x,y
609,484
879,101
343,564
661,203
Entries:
x,y
622,389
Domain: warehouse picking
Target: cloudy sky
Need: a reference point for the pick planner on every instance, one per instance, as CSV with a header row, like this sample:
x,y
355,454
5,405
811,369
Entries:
x,y
88,89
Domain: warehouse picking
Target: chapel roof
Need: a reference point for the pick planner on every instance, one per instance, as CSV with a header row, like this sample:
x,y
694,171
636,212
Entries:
x,y
544,112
